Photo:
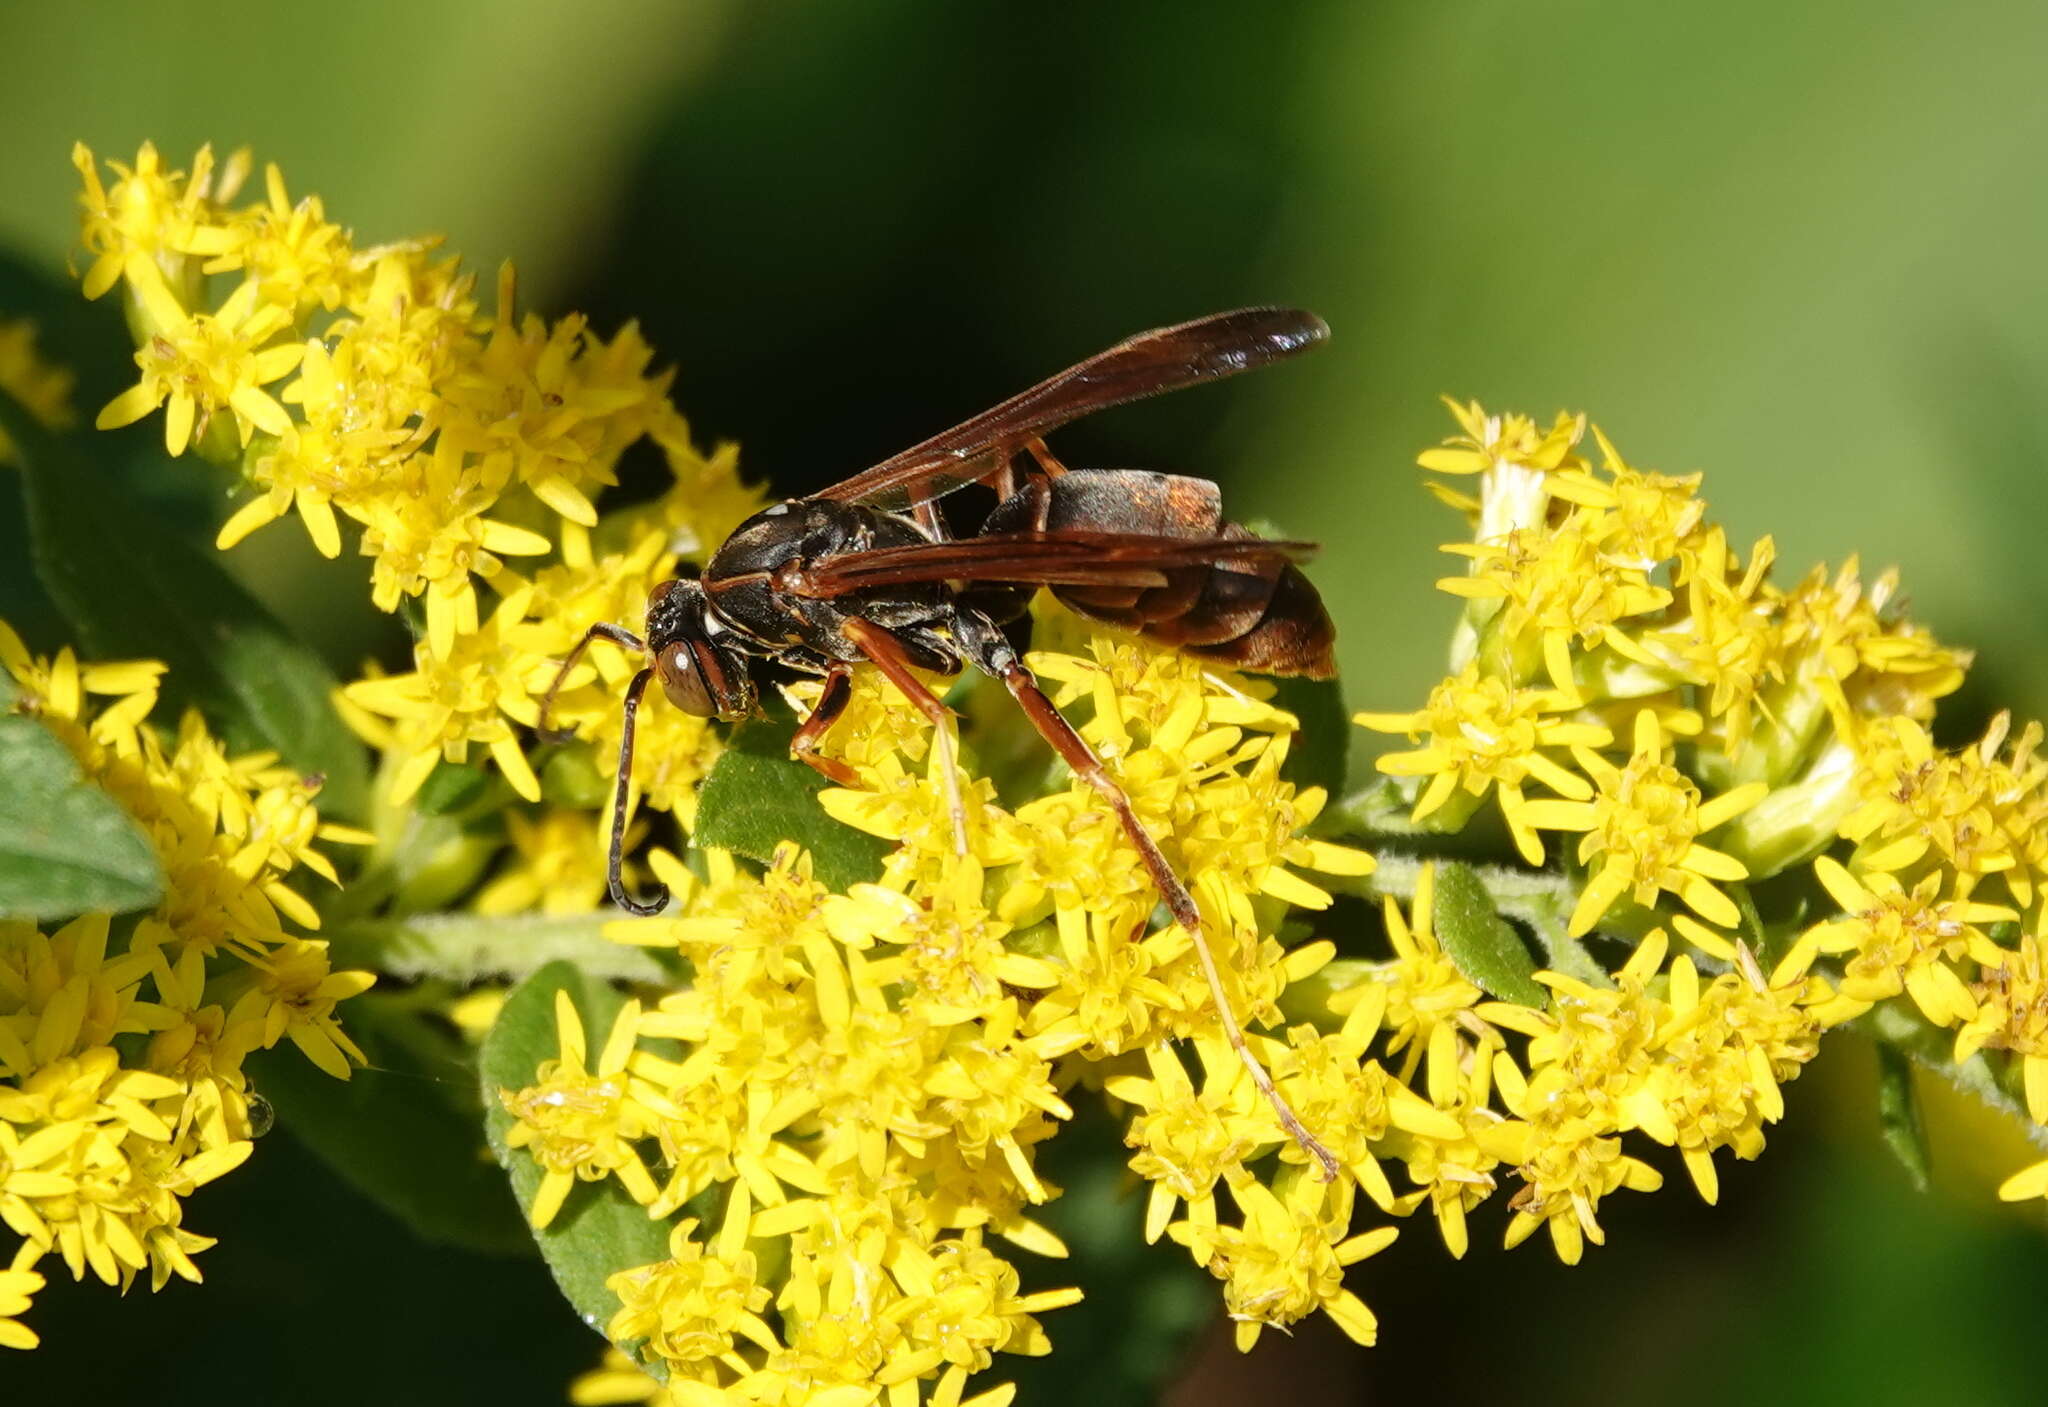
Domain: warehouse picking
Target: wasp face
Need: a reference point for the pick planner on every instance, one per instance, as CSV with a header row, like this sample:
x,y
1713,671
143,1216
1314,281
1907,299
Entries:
x,y
701,674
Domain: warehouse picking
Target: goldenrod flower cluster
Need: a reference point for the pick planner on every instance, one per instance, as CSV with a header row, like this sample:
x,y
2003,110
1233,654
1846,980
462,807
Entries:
x,y
1718,755
861,1080
122,1041
365,384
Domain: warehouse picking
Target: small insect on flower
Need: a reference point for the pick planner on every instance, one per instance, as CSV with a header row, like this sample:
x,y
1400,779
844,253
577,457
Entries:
x,y
868,571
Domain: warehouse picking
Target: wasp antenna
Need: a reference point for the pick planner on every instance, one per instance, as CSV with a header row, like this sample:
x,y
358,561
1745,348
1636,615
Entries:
x,y
603,630
615,865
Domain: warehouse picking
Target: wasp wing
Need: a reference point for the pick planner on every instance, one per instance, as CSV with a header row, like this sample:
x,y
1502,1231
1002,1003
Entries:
x,y
1164,359
1065,558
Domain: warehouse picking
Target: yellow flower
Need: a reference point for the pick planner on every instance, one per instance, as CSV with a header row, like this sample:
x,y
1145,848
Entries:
x,y
582,1123
1286,1261
1555,588
427,530
1354,1101
291,992
2012,1014
289,252
557,865
1727,641
44,391
1520,466
690,1308
1420,990
1721,1052
1189,1140
203,363
1897,940
1586,1059
150,218
1968,810
1642,827
17,1289
473,694
1484,732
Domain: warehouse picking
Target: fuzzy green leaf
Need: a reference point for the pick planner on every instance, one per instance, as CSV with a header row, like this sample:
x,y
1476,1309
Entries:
x,y
406,1131
599,1230
65,846
1898,1114
1485,946
133,591
757,796
467,948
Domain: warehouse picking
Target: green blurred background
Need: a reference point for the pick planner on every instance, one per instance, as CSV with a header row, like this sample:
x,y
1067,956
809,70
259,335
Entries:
x,y
1797,246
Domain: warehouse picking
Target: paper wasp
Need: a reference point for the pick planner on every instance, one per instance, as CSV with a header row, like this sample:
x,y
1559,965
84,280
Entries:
x,y
867,571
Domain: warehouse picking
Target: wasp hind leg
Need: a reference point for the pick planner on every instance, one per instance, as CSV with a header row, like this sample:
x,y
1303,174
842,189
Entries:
x,y
987,649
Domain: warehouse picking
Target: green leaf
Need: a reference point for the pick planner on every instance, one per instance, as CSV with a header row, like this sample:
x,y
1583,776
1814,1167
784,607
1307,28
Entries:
x,y
405,1131
1321,750
66,847
600,1230
131,590
757,796
1898,1114
468,948
1484,945
450,787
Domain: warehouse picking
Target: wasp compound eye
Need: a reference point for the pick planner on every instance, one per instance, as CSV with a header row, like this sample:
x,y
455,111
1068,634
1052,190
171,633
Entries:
x,y
684,681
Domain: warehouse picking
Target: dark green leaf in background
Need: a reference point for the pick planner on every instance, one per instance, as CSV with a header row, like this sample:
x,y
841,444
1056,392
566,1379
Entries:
x,y
599,1230
134,591
87,340
1144,1304
405,1130
1484,945
757,796
1898,1114
451,786
65,846
1320,751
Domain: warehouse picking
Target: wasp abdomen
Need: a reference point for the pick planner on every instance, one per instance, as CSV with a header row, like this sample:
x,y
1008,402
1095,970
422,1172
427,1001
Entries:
x,y
1258,613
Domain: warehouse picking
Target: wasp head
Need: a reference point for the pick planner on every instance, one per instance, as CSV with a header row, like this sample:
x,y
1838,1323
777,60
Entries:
x,y
701,674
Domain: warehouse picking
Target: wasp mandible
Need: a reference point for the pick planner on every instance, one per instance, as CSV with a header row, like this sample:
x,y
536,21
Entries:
x,y
867,571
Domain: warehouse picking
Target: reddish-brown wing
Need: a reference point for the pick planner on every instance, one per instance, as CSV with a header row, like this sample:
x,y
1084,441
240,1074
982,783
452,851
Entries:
x,y
1065,558
1164,359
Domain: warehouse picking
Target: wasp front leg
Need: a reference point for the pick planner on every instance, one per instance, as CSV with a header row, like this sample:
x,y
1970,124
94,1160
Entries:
x,y
832,701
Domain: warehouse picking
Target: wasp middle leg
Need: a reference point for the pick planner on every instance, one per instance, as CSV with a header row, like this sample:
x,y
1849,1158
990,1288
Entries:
x,y
832,701
887,654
